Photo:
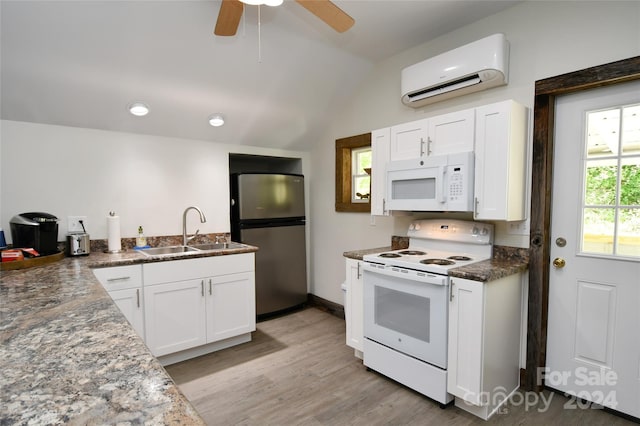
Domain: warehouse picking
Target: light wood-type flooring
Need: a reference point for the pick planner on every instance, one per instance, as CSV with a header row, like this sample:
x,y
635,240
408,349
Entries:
x,y
297,370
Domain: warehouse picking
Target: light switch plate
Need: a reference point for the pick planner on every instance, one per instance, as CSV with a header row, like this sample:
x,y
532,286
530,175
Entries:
x,y
74,224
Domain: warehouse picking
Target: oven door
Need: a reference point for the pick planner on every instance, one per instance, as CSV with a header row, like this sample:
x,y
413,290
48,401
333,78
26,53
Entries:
x,y
407,311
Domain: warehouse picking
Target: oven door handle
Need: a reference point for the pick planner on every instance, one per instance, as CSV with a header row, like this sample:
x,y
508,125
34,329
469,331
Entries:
x,y
408,274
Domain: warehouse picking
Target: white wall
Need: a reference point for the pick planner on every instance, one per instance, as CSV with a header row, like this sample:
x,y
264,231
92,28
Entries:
x,y
546,38
146,180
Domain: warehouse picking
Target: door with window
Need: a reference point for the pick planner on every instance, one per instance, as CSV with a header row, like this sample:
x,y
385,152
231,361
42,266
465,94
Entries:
x,y
593,340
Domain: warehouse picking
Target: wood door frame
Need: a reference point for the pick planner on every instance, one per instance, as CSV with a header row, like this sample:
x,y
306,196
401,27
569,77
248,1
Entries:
x,y
546,91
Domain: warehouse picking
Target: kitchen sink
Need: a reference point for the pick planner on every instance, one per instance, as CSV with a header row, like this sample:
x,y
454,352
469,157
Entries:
x,y
218,246
156,251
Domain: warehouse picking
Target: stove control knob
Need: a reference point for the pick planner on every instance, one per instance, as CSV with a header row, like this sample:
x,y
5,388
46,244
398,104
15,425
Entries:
x,y
417,227
485,231
475,230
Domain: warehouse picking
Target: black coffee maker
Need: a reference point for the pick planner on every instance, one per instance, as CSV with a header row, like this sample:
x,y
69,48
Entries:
x,y
35,230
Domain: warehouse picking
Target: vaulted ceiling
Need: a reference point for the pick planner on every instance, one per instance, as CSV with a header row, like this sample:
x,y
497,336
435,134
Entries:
x,y
81,62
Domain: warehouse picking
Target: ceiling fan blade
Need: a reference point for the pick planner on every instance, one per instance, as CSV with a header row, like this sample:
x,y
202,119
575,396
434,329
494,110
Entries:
x,y
228,18
331,14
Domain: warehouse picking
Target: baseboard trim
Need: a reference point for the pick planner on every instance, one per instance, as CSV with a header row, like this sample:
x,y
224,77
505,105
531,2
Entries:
x,y
335,309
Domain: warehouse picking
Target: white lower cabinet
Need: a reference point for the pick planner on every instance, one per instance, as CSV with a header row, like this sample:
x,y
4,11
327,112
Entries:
x,y
228,312
124,285
206,300
353,308
484,343
175,316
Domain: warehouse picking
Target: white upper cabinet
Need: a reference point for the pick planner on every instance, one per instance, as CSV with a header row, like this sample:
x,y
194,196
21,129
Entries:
x,y
380,155
500,166
409,140
496,133
451,133
443,134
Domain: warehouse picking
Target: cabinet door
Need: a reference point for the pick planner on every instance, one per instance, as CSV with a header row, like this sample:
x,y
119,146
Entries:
x,y
500,168
129,301
409,140
354,309
175,316
231,308
466,308
451,133
380,140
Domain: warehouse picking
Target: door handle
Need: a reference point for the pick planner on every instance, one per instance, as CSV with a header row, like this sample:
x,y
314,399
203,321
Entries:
x,y
559,262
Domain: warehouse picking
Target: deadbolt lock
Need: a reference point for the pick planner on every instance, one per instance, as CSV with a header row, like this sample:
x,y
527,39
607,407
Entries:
x,y
559,262
561,242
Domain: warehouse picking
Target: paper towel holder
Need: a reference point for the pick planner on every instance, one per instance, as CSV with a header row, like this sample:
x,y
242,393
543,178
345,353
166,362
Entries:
x,y
120,250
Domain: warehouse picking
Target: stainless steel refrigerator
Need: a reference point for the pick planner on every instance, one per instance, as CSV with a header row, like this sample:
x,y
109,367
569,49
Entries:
x,y
267,211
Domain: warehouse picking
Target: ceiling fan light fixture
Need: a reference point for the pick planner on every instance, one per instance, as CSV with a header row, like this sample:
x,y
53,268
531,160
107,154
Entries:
x,y
216,120
261,2
139,109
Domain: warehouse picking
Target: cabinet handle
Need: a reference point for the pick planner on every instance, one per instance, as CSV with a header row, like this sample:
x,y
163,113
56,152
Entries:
x,y
358,274
138,297
421,147
451,296
202,287
475,207
210,293
429,141
118,279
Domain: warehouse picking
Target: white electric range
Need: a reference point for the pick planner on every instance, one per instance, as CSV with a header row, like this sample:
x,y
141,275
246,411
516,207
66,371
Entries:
x,y
406,299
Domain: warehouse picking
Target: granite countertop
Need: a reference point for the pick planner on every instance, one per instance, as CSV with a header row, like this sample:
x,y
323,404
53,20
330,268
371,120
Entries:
x,y
68,355
505,261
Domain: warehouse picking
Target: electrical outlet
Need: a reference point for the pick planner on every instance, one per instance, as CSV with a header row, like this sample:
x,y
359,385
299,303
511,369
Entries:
x,y
519,228
74,224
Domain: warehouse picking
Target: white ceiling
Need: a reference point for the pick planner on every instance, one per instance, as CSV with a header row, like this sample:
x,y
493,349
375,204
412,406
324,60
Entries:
x,y
80,62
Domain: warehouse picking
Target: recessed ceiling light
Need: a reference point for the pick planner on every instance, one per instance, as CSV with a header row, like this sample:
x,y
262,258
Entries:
x,y
138,109
216,120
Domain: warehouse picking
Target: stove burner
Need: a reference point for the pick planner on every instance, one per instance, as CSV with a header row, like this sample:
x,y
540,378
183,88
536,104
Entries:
x,y
389,255
443,262
459,258
413,252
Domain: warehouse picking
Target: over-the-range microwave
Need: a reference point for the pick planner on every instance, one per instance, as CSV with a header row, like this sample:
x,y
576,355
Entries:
x,y
437,183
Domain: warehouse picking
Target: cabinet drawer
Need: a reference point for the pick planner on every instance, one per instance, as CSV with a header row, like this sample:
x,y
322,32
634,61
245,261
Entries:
x,y
187,269
119,277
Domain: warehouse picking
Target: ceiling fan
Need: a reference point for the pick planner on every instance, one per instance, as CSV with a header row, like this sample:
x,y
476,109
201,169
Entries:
x,y
231,12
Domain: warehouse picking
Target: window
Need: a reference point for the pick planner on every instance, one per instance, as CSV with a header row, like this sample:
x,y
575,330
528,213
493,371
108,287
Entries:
x,y
611,197
360,170
353,156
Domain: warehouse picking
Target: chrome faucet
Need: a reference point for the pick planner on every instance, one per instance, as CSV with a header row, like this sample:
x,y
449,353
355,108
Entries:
x,y
186,239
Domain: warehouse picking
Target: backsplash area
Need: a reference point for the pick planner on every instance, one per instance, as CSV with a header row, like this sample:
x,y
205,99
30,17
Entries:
x,y
160,241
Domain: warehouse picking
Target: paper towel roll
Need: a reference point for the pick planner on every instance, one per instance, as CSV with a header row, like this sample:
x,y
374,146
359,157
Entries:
x,y
113,233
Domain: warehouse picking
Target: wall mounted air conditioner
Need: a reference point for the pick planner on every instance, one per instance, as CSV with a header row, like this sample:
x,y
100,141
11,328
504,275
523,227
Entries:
x,y
470,68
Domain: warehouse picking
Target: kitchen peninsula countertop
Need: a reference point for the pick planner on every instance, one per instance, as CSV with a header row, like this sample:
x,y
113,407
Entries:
x,y
505,261
68,355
